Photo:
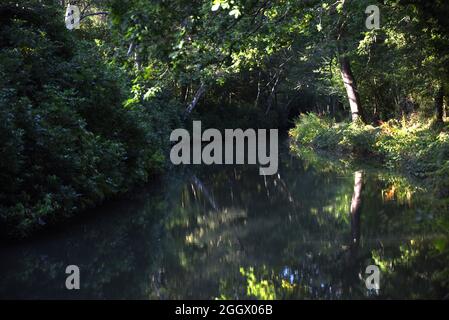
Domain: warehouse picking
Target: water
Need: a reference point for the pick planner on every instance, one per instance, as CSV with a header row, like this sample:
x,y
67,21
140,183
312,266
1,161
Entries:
x,y
227,232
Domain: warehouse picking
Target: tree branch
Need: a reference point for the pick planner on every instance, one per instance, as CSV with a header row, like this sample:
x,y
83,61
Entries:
x,y
195,100
94,14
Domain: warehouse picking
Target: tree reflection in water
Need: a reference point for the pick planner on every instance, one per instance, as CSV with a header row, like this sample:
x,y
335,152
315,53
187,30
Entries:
x,y
226,232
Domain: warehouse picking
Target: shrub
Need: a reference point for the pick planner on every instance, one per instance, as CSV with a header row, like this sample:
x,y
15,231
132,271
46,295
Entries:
x,y
67,142
415,147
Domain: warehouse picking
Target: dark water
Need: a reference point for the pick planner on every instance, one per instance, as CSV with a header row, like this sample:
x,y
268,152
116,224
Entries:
x,y
226,232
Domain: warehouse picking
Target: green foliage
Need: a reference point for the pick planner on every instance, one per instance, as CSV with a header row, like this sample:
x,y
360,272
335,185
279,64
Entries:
x,y
326,134
284,55
67,141
413,146
87,113
309,128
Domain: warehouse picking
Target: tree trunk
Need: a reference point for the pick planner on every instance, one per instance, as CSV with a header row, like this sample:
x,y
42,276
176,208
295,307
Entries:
x,y
195,100
351,90
439,104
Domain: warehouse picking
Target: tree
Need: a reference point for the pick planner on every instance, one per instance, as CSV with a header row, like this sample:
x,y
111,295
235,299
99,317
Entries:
x,y
434,26
351,89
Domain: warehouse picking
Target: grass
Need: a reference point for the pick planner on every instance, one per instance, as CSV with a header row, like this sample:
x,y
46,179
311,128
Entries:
x,y
418,148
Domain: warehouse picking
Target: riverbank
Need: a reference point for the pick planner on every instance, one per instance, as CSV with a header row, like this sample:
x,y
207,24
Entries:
x,y
418,149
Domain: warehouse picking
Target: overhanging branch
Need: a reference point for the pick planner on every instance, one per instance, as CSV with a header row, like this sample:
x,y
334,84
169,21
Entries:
x,y
94,14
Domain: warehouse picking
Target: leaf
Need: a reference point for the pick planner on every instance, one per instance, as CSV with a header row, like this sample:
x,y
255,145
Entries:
x,y
340,7
235,12
440,244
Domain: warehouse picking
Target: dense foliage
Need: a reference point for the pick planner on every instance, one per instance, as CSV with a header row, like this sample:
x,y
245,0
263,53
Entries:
x,y
67,141
86,114
286,57
416,148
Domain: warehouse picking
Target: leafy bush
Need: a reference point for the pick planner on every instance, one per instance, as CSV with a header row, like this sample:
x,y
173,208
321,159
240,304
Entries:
x,y
67,142
310,127
323,133
414,146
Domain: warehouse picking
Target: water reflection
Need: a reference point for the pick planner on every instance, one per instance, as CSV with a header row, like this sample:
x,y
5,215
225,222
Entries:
x,y
356,204
227,232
